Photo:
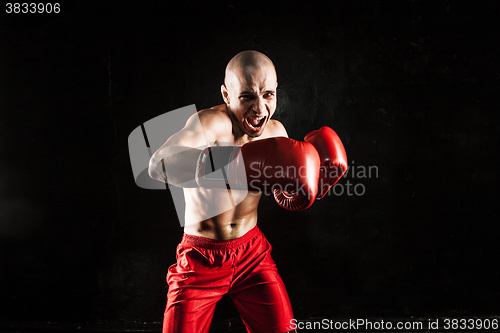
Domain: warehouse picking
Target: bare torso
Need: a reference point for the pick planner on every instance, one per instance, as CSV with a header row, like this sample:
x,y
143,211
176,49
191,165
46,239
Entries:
x,y
231,223
219,213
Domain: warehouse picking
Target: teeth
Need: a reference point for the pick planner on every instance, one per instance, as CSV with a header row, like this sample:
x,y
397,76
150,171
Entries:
x,y
254,121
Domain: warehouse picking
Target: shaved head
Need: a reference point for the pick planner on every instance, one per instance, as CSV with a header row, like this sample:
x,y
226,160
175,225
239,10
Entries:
x,y
249,91
245,63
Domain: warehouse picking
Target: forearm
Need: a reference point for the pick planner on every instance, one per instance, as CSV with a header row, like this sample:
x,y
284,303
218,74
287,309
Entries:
x,y
175,165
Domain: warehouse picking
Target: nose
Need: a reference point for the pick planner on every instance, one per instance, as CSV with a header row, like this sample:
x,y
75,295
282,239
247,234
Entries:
x,y
259,106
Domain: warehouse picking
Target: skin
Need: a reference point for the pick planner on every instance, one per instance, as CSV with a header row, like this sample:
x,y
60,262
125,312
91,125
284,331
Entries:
x,y
249,91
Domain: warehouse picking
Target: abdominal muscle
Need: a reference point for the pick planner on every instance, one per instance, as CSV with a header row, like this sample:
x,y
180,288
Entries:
x,y
220,214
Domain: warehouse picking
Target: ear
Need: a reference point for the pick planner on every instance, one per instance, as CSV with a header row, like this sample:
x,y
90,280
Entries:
x,y
225,93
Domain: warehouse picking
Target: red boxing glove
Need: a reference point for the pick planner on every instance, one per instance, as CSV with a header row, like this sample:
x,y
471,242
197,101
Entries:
x,y
290,168
291,165
333,157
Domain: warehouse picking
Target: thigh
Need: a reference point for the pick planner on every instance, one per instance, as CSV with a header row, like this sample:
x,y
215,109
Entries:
x,y
189,315
195,284
263,303
258,291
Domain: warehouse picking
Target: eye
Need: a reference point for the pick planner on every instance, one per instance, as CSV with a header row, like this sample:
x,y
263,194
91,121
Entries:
x,y
246,97
268,95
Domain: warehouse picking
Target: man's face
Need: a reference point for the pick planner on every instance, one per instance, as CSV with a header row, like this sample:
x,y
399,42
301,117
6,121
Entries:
x,y
250,96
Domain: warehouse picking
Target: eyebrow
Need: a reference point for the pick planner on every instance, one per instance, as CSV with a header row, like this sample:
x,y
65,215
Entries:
x,y
251,92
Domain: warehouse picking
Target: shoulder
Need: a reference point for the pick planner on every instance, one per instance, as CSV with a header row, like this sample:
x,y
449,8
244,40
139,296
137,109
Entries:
x,y
215,118
276,128
214,122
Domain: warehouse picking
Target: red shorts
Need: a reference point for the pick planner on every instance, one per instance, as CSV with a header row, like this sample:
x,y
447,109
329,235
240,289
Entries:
x,y
207,269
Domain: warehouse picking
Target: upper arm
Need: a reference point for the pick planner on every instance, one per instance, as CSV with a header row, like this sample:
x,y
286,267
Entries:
x,y
201,130
178,155
191,135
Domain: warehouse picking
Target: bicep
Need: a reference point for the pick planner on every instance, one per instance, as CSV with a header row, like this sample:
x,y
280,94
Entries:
x,y
192,135
202,129
175,160
183,145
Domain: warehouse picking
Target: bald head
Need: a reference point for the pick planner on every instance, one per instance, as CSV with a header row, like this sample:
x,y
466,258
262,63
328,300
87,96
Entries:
x,y
249,92
245,63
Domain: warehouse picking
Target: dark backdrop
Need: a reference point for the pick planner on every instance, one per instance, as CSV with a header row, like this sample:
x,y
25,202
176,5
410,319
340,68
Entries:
x,y
411,87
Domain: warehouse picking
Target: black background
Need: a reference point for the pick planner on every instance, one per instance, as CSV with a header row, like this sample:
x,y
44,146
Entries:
x,y
411,87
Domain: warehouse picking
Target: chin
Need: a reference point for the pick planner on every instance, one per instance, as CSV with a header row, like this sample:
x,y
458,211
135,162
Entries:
x,y
254,135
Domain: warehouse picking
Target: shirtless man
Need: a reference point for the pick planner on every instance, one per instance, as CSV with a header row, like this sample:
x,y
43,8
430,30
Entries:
x,y
227,253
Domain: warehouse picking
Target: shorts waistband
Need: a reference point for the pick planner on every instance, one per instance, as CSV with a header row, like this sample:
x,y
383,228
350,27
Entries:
x,y
221,244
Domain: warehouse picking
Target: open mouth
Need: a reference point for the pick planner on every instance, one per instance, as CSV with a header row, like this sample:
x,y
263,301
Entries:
x,y
255,123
